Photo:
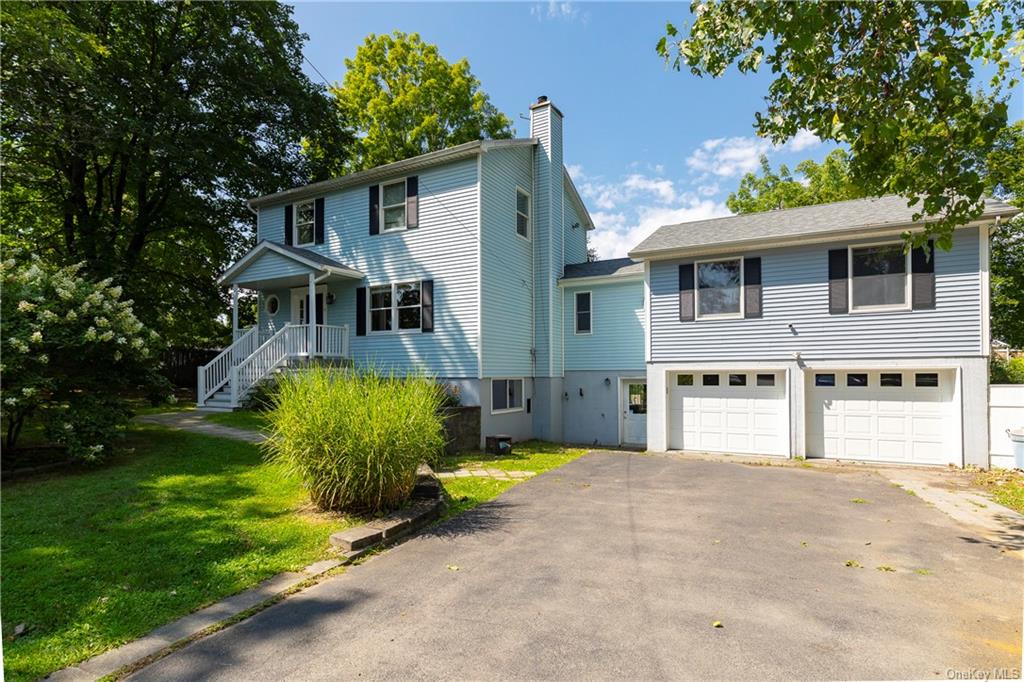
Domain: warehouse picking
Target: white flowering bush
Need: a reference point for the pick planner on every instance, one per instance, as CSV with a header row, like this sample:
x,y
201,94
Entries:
x,y
71,348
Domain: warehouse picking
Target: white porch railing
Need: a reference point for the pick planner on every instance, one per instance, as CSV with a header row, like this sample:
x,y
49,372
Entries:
x,y
216,373
251,361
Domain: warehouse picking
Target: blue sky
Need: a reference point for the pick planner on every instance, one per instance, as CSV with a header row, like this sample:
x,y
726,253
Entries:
x,y
647,146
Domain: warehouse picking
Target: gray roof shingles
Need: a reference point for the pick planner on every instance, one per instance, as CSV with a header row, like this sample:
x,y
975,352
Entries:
x,y
616,267
792,223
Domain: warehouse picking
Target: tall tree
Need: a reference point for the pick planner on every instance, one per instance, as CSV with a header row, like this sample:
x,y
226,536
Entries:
x,y
771,190
895,81
404,99
133,133
1005,180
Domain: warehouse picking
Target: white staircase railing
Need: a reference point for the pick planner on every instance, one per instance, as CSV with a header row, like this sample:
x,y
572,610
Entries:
x,y
216,373
292,340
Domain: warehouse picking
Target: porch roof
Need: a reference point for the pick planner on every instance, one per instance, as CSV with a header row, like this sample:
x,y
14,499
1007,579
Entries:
x,y
270,264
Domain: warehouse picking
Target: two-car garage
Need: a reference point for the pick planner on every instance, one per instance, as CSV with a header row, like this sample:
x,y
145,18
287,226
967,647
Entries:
x,y
907,416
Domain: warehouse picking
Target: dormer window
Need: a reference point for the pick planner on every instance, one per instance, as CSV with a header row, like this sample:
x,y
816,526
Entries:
x,y
305,220
393,206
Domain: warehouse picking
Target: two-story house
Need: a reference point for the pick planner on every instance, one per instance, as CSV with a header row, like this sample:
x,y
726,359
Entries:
x,y
449,262
801,332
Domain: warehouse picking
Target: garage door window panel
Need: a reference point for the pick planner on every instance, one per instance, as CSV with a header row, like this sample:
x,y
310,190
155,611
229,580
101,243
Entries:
x,y
856,379
737,379
709,380
719,288
684,380
878,277
891,380
824,379
765,379
926,380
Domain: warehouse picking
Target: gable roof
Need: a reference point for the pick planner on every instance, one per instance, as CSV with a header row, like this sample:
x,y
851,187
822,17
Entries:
x,y
574,196
462,151
612,268
883,214
311,259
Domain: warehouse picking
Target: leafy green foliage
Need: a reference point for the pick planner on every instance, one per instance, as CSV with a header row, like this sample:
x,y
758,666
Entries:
x,y
71,347
134,132
97,558
355,438
822,183
1005,178
1006,371
404,99
896,81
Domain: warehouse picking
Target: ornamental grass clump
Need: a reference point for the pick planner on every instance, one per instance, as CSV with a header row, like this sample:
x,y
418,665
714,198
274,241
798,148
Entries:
x,y
356,437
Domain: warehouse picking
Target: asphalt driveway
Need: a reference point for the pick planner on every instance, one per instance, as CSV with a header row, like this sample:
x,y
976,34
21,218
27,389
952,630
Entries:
x,y
616,565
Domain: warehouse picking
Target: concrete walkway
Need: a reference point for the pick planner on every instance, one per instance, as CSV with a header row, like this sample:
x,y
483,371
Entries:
x,y
195,421
620,565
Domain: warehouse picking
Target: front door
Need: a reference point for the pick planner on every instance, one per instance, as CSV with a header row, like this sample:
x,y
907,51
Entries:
x,y
634,412
300,309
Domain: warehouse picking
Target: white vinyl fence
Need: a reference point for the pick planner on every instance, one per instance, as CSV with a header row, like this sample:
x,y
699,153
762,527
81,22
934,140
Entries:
x,y
1005,411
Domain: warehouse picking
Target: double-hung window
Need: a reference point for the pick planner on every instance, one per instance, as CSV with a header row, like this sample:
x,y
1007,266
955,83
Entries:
x,y
719,284
522,213
395,306
392,213
583,312
305,217
506,395
878,277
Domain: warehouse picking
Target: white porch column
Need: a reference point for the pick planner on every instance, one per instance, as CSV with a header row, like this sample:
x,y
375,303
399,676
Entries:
x,y
234,313
311,313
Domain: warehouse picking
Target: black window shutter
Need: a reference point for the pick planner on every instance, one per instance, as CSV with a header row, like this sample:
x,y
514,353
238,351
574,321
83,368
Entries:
x,y
752,287
412,202
838,284
288,216
361,311
427,305
375,209
686,292
318,220
922,280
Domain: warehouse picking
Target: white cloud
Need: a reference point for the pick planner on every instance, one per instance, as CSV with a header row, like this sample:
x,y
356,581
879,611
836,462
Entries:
x,y
575,172
804,139
559,11
615,234
728,156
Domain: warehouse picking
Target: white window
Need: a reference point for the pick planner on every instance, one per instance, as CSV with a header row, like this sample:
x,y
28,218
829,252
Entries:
x,y
878,277
395,306
719,284
272,305
506,395
522,213
583,312
305,215
392,206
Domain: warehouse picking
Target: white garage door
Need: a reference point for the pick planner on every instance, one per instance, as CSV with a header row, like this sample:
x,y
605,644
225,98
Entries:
x,y
731,412
892,416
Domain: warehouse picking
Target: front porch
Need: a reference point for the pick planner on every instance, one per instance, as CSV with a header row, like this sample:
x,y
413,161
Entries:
x,y
276,271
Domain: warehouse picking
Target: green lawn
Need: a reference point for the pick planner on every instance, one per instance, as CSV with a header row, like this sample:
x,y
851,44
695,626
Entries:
x,y
95,559
466,493
242,419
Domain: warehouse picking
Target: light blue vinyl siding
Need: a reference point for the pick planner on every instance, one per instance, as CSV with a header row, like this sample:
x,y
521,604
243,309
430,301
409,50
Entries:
x,y
575,237
547,253
271,224
507,265
443,248
795,282
271,265
616,340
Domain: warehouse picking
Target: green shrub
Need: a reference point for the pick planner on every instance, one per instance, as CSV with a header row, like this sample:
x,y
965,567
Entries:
x,y
356,437
72,348
1003,372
